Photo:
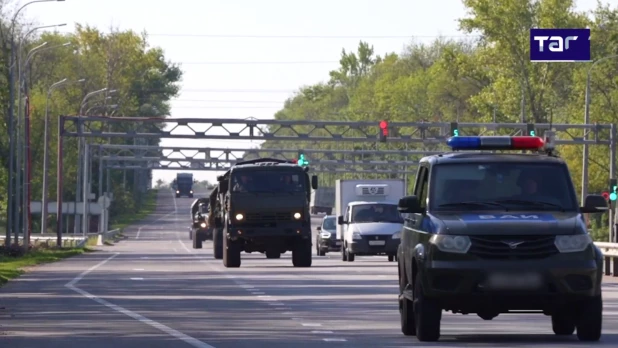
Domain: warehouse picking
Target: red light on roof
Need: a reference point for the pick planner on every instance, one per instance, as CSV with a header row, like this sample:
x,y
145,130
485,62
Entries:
x,y
295,161
383,124
527,143
605,195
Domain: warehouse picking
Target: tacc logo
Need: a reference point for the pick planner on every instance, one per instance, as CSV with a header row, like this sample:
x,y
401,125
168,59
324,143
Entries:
x,y
559,45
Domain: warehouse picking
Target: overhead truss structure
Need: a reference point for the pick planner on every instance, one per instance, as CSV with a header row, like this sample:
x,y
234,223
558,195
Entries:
x,y
427,133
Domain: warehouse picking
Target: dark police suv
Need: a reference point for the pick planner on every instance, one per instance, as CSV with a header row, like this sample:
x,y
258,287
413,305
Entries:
x,y
494,233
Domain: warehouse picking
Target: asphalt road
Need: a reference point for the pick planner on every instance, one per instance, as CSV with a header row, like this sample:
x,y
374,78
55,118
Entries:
x,y
153,290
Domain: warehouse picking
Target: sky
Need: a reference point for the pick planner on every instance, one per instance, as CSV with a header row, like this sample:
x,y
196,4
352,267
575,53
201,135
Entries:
x,y
235,61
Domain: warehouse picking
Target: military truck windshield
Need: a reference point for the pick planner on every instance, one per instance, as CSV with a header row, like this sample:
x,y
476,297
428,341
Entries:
x,y
330,224
375,212
268,181
529,186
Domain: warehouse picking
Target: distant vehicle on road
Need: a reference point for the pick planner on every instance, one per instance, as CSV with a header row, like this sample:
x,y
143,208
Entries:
x,y
199,230
326,240
262,206
184,185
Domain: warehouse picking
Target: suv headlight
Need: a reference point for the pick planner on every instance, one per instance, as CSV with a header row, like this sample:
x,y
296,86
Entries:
x,y
572,243
356,235
396,235
203,225
239,217
451,244
325,234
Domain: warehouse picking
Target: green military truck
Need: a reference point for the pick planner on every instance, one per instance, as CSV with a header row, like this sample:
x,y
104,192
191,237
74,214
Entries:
x,y
262,205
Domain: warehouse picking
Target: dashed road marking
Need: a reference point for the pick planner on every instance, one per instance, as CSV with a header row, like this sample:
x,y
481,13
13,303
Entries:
x,y
138,269
311,324
264,296
334,340
321,332
257,293
137,278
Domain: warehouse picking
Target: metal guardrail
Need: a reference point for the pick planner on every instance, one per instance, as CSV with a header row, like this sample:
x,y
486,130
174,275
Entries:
x,y
106,236
75,241
610,257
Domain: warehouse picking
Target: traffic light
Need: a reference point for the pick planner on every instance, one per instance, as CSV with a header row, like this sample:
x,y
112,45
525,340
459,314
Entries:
x,y
454,130
302,161
613,186
530,129
383,131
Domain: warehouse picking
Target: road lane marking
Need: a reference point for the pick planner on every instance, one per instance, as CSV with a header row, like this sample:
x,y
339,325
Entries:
x,y
139,230
166,329
311,324
138,269
321,332
334,340
137,278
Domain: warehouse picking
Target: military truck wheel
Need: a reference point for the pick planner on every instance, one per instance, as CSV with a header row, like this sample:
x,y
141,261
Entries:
x,y
427,315
590,320
301,255
391,258
344,256
217,243
197,242
273,255
349,256
231,254
190,234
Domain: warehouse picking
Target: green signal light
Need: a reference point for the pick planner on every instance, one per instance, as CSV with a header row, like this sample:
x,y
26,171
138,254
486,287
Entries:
x,y
614,195
532,134
302,161
456,132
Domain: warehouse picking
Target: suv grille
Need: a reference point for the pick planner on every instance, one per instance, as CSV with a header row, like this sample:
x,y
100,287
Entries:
x,y
522,247
269,217
376,237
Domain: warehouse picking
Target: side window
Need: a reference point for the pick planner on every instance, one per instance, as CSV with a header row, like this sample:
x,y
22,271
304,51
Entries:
x,y
422,186
346,216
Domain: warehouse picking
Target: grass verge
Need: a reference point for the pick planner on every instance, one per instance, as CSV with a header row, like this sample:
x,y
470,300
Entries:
x,y
13,266
147,208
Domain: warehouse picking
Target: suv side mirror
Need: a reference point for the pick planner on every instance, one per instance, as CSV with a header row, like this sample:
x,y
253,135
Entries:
x,y
340,220
409,205
594,204
314,182
319,228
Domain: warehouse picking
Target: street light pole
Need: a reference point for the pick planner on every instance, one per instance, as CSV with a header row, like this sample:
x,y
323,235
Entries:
x,y
12,192
80,159
44,199
584,191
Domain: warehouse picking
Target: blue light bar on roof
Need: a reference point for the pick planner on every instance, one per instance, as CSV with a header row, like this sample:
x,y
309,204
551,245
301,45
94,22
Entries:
x,y
495,143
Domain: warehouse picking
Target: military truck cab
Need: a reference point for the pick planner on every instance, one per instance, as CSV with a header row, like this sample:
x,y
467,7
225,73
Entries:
x,y
262,206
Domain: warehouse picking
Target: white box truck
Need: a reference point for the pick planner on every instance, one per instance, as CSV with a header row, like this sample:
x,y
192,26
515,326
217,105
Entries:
x,y
322,200
368,222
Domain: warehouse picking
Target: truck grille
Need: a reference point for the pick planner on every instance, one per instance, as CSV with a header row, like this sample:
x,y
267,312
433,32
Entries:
x,y
498,248
376,237
269,217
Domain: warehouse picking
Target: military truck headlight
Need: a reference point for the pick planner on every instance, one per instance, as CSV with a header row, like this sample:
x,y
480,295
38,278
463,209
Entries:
x,y
356,235
191,191
451,244
396,235
239,217
297,216
325,235
203,225
177,191
573,243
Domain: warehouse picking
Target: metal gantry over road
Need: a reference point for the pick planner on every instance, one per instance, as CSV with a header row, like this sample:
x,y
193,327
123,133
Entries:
x,y
424,136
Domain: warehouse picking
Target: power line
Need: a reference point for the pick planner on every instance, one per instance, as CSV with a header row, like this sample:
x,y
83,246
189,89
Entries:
x,y
229,101
260,63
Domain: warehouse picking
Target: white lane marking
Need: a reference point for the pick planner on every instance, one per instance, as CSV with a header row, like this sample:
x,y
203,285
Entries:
x,y
277,304
264,296
257,293
138,269
334,340
175,250
139,229
168,330
321,332
137,278
283,309
144,257
311,324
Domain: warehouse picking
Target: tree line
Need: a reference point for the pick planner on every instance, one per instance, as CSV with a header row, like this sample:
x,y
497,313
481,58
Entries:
x,y
485,79
142,79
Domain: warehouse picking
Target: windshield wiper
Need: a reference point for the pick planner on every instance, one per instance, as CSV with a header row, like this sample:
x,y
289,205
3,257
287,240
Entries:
x,y
472,203
534,203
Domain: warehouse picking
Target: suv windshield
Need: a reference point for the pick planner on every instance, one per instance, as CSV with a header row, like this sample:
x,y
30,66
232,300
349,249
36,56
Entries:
x,y
375,212
531,186
329,224
268,180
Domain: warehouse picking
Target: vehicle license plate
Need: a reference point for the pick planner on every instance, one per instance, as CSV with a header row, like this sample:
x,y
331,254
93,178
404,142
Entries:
x,y
514,281
377,242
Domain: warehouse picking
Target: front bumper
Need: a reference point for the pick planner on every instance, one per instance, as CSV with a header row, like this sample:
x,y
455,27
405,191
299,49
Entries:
x,y
292,229
374,245
502,285
206,232
330,244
